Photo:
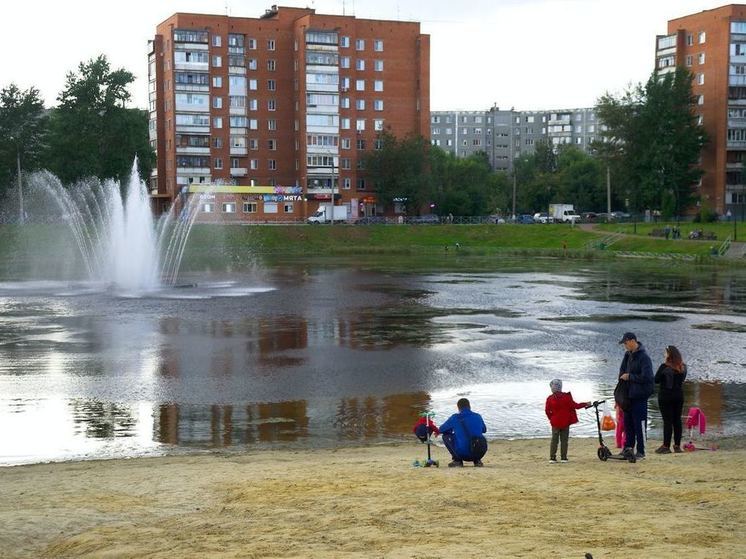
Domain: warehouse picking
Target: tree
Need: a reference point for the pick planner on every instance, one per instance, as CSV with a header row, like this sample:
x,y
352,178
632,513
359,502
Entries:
x,y
92,132
652,132
399,170
23,126
580,179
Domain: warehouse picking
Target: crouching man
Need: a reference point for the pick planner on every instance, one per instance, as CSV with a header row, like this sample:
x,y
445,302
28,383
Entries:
x,y
463,436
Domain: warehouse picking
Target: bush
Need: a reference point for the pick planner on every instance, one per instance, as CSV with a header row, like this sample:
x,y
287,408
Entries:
x,y
706,215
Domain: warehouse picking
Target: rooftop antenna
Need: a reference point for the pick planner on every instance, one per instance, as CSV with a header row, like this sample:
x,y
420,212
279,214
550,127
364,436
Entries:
x,y
227,9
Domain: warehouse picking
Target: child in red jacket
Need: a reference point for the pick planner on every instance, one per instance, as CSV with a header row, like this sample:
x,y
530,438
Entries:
x,y
560,409
425,427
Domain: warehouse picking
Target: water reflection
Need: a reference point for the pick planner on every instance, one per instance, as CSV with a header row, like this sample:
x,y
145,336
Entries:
x,y
309,363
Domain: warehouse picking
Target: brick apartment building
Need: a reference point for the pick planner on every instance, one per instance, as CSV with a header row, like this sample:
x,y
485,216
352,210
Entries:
x,y
264,118
712,45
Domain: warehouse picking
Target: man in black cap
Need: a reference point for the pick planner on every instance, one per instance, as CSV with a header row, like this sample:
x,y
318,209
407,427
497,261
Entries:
x,y
637,371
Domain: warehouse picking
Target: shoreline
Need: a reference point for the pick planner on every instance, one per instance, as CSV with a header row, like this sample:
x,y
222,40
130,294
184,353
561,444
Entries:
x,y
368,501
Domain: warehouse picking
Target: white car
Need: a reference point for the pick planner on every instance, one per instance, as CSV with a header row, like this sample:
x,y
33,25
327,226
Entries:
x,y
543,218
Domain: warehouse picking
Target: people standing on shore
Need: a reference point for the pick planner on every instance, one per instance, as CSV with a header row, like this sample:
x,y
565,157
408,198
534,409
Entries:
x,y
560,409
670,377
636,371
463,436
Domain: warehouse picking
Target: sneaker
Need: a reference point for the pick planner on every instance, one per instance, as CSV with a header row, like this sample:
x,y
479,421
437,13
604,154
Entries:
x,y
640,456
456,464
677,449
552,460
564,460
478,464
626,452
663,450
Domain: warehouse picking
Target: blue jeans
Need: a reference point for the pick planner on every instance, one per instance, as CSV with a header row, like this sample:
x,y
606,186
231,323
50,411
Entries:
x,y
635,420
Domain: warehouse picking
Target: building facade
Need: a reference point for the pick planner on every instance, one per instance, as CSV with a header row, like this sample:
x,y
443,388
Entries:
x,y
505,135
267,118
712,46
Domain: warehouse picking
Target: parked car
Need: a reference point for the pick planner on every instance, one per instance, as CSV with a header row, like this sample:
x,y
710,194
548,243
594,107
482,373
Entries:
x,y
589,217
525,218
543,218
370,220
620,215
424,219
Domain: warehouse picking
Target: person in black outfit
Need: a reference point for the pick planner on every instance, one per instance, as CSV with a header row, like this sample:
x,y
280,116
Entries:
x,y
671,376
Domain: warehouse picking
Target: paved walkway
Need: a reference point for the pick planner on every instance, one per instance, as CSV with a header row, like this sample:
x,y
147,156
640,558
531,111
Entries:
x,y
736,250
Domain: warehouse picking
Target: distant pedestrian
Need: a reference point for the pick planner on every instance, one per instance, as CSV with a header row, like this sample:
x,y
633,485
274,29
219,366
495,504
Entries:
x,y
667,231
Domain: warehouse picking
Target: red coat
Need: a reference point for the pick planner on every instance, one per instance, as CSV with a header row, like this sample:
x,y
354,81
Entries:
x,y
560,409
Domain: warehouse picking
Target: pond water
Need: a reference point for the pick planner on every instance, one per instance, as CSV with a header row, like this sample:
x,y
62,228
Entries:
x,y
328,352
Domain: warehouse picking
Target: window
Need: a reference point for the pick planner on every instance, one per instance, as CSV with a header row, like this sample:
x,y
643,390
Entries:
x,y
253,104
360,124
271,65
344,42
344,103
702,37
251,64
688,60
253,124
346,183
271,124
271,105
360,64
360,104
378,85
217,142
360,85
360,144
378,65
272,164
345,84
345,124
218,162
207,208
700,120
217,61
251,43
237,102
288,207
344,62
272,145
217,40
378,45
359,44
361,184
345,143
378,124
249,207
378,105
345,163
270,207
701,79
217,81
701,58
701,100
271,85
254,164
238,121
253,144
690,40
229,208
217,122
270,44
217,102
253,85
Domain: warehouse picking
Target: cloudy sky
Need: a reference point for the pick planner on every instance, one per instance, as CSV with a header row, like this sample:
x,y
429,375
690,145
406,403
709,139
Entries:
x,y
527,54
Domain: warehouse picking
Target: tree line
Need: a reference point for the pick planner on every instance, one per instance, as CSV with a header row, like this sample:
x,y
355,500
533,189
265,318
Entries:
x,y
649,147
90,132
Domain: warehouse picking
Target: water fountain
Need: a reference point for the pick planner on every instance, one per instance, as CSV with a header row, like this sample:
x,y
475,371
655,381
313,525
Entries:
x,y
120,243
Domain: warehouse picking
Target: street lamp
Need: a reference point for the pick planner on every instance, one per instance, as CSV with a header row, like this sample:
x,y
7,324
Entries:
x,y
331,189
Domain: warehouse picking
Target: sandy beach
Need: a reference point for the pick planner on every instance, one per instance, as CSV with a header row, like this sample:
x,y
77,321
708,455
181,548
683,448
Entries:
x,y
371,502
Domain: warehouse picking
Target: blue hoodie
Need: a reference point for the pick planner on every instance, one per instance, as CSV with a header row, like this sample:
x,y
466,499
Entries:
x,y
454,424
641,379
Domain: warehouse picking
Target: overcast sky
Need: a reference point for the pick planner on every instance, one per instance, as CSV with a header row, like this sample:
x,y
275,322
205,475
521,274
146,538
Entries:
x,y
527,54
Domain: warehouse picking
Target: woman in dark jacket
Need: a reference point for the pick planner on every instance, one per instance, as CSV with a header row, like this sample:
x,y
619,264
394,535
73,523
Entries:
x,y
670,376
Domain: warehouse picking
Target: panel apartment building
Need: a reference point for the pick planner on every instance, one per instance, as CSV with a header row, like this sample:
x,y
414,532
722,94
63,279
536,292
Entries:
x,y
267,118
712,45
505,135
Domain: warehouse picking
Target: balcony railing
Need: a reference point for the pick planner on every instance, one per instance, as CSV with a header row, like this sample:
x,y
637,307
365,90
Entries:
x,y
239,171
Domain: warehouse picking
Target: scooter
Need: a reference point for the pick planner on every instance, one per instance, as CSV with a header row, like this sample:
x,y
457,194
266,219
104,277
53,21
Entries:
x,y
604,452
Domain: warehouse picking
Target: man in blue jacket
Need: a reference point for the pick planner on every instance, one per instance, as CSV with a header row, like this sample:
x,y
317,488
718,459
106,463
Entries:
x,y
459,432
637,370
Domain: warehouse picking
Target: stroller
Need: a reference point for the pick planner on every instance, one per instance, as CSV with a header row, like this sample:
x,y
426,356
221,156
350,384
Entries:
x,y
604,452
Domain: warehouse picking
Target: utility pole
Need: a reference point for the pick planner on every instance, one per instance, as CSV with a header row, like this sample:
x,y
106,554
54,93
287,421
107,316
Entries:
x,y
608,190
514,188
20,189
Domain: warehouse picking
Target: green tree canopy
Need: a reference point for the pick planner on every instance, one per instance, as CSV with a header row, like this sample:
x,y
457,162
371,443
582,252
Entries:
x,y
653,137
92,133
23,126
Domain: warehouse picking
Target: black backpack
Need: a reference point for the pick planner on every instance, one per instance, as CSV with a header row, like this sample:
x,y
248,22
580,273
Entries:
x,y
477,443
621,394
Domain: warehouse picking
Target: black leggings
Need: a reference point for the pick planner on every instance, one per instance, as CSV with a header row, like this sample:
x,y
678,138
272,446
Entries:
x,y
671,413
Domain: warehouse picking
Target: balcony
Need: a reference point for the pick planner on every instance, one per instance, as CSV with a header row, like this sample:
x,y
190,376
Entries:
x,y
192,150
196,66
238,111
188,129
192,170
239,151
192,87
736,144
237,70
239,171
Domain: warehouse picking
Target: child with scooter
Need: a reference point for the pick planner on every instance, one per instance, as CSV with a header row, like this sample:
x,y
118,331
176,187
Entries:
x,y
560,409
